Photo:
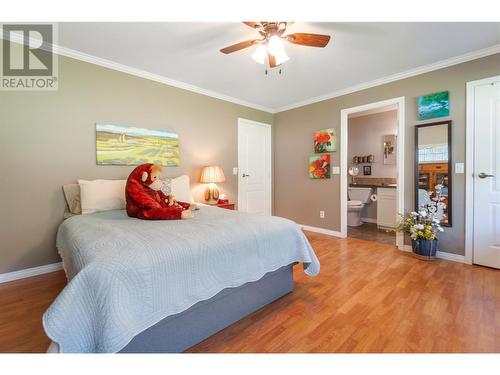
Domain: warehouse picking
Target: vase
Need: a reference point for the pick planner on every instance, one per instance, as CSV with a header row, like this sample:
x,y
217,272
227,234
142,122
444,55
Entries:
x,y
425,248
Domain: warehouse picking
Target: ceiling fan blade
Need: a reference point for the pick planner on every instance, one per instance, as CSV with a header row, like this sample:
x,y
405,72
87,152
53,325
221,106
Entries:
x,y
240,45
253,25
311,40
272,60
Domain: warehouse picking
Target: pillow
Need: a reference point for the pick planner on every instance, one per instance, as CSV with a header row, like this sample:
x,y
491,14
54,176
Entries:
x,y
72,195
102,195
181,190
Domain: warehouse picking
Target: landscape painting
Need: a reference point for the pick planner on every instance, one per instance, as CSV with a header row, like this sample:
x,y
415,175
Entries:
x,y
128,145
319,166
325,141
433,105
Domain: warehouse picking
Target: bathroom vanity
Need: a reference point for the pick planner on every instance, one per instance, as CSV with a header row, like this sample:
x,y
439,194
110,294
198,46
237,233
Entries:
x,y
387,208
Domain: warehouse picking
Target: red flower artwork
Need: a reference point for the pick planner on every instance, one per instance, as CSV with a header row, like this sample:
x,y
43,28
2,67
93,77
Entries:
x,y
319,166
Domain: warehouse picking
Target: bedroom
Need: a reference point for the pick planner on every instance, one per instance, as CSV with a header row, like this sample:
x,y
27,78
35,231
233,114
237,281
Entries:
x,y
258,259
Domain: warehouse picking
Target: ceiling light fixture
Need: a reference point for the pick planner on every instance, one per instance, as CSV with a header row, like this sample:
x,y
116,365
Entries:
x,y
271,42
260,54
277,49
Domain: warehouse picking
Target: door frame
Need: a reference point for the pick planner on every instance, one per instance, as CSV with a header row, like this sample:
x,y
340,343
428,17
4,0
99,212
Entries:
x,y
469,164
344,117
269,160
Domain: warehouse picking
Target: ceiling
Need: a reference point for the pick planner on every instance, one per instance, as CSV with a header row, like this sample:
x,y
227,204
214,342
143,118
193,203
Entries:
x,y
357,53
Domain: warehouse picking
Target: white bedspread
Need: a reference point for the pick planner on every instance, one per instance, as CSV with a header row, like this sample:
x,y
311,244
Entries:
x,y
128,274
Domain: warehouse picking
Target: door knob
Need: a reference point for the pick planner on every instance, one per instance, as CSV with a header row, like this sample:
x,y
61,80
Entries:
x,y
484,175
245,175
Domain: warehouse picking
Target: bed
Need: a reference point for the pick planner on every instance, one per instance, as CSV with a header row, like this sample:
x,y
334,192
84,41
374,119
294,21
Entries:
x,y
163,286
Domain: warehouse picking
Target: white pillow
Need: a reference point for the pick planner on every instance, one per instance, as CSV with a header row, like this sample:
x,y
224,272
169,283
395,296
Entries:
x,y
181,189
102,195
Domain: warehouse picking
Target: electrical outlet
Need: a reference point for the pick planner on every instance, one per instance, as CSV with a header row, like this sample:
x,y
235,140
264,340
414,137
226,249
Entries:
x,y
322,214
335,170
235,171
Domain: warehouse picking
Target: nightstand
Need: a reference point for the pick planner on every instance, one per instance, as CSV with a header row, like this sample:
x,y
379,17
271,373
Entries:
x,y
227,206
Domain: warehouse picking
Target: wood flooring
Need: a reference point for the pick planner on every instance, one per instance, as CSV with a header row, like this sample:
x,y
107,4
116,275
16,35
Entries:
x,y
368,297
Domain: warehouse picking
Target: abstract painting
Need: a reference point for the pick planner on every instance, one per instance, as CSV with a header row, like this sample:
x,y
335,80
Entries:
x,y
433,105
128,145
319,166
325,141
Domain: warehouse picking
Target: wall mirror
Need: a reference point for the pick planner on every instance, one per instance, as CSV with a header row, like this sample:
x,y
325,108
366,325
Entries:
x,y
433,166
390,149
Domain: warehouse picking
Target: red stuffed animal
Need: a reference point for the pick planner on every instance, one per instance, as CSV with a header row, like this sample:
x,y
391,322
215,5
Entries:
x,y
145,200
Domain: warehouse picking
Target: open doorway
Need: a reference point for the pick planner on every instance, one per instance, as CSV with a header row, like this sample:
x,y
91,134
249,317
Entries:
x,y
372,173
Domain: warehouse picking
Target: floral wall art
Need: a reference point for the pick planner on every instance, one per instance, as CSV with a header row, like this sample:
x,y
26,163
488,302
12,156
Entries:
x,y
325,141
319,166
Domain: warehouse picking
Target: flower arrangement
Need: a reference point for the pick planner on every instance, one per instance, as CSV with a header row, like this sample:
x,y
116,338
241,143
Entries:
x,y
425,224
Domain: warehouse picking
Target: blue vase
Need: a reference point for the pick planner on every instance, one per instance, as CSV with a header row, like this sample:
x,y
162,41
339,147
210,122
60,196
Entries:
x,y
425,247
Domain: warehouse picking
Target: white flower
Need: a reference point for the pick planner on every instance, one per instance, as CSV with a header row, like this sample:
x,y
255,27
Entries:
x,y
418,226
423,213
413,213
440,229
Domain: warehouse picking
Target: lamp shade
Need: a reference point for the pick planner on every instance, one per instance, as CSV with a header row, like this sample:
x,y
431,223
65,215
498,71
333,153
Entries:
x,y
211,174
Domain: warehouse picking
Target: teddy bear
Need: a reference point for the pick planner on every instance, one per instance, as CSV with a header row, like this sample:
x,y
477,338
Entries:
x,y
145,200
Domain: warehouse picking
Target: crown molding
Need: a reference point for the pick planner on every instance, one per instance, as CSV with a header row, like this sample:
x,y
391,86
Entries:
x,y
77,55
396,77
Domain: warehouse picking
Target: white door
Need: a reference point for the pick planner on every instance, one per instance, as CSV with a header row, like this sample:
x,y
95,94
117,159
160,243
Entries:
x,y
254,167
486,241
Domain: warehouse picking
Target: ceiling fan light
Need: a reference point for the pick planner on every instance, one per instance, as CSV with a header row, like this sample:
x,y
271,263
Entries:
x,y
281,57
260,54
275,45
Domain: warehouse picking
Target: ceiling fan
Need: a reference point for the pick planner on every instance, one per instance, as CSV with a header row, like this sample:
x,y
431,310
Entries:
x,y
271,44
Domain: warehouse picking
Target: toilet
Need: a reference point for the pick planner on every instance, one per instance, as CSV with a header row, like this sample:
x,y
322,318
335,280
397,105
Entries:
x,y
358,197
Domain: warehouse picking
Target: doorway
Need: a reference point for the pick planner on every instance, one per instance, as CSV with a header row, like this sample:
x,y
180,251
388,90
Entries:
x,y
390,192
482,241
254,167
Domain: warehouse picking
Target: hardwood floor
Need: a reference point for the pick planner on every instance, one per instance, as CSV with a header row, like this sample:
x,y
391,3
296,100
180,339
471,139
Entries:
x,y
368,297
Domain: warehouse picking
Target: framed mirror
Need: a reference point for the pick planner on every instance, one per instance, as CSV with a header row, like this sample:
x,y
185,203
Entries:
x,y
433,166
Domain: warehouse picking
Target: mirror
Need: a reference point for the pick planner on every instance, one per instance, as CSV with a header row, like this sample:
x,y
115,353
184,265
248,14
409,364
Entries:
x,y
390,149
433,166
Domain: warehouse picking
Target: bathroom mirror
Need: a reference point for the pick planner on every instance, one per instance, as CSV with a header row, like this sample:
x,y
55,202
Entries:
x,y
389,149
433,166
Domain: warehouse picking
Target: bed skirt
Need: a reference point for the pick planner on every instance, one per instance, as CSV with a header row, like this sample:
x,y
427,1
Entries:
x,y
178,332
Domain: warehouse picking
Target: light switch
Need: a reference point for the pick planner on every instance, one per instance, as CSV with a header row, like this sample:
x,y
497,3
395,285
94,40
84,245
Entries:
x,y
235,171
459,168
336,170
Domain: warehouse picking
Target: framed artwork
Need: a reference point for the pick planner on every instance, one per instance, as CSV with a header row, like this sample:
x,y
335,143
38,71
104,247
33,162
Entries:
x,y
325,141
319,166
128,145
433,105
367,170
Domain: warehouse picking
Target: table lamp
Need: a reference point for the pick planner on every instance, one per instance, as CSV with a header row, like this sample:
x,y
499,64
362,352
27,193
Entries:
x,y
212,174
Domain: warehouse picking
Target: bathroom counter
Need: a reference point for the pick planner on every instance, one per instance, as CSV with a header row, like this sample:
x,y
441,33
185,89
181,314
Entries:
x,y
393,186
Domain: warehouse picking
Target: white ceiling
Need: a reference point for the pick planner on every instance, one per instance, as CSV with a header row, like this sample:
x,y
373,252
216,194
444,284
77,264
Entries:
x,y
357,53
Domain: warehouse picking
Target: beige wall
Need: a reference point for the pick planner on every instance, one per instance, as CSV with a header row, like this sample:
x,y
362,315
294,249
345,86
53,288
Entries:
x,y
301,199
47,139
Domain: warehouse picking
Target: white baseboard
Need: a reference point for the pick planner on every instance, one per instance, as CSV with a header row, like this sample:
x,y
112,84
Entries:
x,y
322,231
21,274
368,220
441,255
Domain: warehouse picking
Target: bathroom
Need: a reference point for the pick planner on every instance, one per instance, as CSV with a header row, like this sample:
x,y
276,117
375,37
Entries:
x,y
373,175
